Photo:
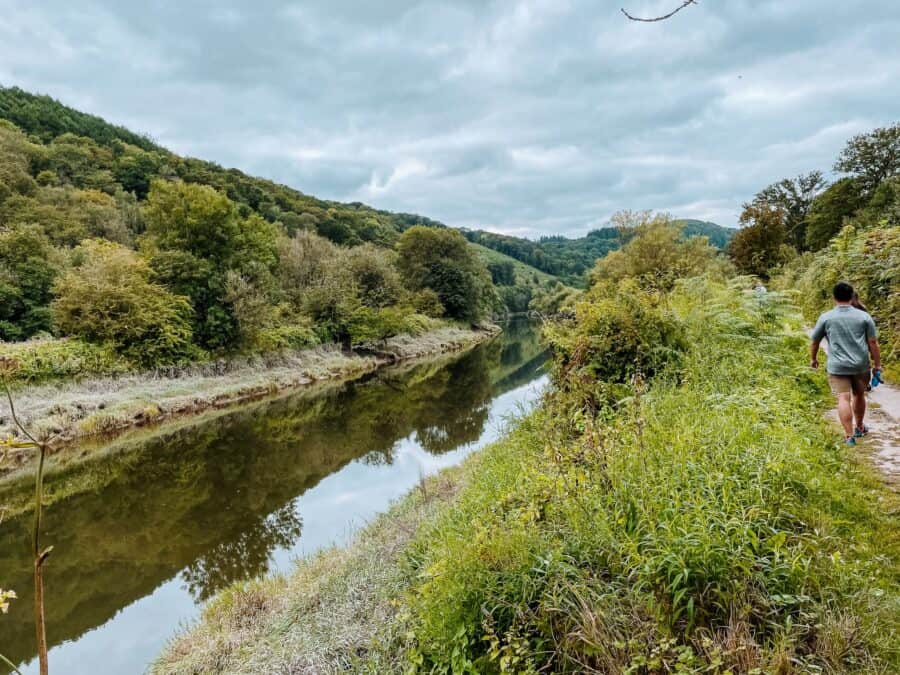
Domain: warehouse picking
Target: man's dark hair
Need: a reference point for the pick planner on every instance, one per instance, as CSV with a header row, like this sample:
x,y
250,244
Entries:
x,y
843,292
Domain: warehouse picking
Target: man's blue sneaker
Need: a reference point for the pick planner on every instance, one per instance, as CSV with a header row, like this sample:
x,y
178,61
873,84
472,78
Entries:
x,y
850,441
861,431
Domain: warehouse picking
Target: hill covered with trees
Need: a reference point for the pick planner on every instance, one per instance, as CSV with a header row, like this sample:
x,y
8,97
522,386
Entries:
x,y
147,258
570,259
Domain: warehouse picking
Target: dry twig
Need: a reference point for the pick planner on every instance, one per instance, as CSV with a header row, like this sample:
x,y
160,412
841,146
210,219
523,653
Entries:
x,y
664,16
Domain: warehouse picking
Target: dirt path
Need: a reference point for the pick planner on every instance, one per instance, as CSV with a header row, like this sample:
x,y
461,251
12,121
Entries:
x,y
883,418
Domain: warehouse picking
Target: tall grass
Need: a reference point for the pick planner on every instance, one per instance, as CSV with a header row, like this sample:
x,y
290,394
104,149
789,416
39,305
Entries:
x,y
704,522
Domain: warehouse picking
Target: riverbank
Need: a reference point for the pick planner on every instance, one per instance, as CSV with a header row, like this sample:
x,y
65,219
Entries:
x,y
108,406
711,521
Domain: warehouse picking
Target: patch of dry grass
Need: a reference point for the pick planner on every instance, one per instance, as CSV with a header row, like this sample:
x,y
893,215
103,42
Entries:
x,y
327,616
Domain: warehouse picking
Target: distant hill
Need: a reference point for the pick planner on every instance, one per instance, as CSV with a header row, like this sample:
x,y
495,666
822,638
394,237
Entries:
x,y
569,259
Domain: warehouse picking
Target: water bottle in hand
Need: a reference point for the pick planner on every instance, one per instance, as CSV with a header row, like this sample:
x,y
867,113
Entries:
x,y
876,378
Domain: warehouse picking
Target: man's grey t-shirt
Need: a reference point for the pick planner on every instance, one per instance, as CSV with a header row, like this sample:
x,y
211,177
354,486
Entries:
x,y
848,330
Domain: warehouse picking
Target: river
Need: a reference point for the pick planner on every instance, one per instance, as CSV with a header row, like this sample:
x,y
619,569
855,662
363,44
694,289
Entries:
x,y
163,519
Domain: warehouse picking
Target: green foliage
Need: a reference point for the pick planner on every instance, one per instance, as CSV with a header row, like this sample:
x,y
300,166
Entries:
x,y
441,260
109,298
503,272
707,523
614,337
829,210
569,259
198,242
257,261
872,157
793,197
761,243
554,300
28,266
17,156
870,260
370,325
47,119
656,255
45,360
374,274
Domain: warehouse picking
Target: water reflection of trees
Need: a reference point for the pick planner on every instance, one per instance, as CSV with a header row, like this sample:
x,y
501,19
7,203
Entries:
x,y
213,500
246,556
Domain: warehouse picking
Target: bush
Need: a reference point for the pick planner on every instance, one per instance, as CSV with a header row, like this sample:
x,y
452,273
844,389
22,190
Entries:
x,y
372,325
613,337
44,360
657,255
109,298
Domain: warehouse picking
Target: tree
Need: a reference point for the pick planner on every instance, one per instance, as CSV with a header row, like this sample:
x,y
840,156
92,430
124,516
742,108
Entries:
x,y
794,196
656,255
374,274
829,210
196,236
28,266
503,273
761,243
109,297
872,157
440,259
193,218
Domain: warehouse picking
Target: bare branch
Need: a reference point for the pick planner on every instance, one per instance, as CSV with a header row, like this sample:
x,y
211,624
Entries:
x,y
664,16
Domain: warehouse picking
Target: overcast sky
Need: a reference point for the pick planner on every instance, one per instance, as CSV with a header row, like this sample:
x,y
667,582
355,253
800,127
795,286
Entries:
x,y
525,116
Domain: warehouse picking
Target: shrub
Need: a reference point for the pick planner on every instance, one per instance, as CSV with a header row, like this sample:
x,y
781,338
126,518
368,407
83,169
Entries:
x,y
656,255
370,325
43,360
613,337
108,297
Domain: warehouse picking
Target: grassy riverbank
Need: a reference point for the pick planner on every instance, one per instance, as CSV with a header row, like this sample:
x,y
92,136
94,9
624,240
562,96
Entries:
x,y
106,406
706,521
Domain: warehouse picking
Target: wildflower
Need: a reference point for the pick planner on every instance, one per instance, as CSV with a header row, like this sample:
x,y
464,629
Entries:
x,y
5,597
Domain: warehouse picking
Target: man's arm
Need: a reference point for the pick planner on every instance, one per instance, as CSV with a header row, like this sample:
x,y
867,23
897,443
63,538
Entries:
x,y
814,353
875,351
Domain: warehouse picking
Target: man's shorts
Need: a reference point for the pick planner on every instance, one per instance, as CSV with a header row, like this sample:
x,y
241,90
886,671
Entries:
x,y
844,384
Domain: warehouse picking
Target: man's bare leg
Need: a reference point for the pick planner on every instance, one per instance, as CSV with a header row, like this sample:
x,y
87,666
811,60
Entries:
x,y
845,413
859,409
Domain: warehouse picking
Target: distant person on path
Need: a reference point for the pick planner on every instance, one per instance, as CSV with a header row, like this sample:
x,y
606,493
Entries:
x,y
852,337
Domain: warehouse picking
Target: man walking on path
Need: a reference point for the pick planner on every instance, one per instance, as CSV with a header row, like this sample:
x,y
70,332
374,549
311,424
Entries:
x,y
851,337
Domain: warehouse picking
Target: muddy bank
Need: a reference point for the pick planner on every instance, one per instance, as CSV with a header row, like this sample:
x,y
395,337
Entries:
x,y
106,407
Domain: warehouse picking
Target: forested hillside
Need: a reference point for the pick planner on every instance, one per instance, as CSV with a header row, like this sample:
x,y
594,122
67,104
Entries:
x,y
146,258
569,259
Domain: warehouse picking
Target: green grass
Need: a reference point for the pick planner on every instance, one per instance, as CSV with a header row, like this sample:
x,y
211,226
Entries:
x,y
710,524
61,358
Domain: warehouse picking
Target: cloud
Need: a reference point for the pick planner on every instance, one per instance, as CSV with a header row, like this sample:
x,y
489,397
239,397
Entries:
x,y
524,116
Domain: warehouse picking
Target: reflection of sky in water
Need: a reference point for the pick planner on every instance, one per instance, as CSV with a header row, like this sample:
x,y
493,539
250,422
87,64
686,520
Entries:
x,y
331,511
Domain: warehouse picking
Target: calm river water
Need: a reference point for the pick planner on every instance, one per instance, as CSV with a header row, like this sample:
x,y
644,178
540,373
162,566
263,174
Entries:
x,y
148,533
